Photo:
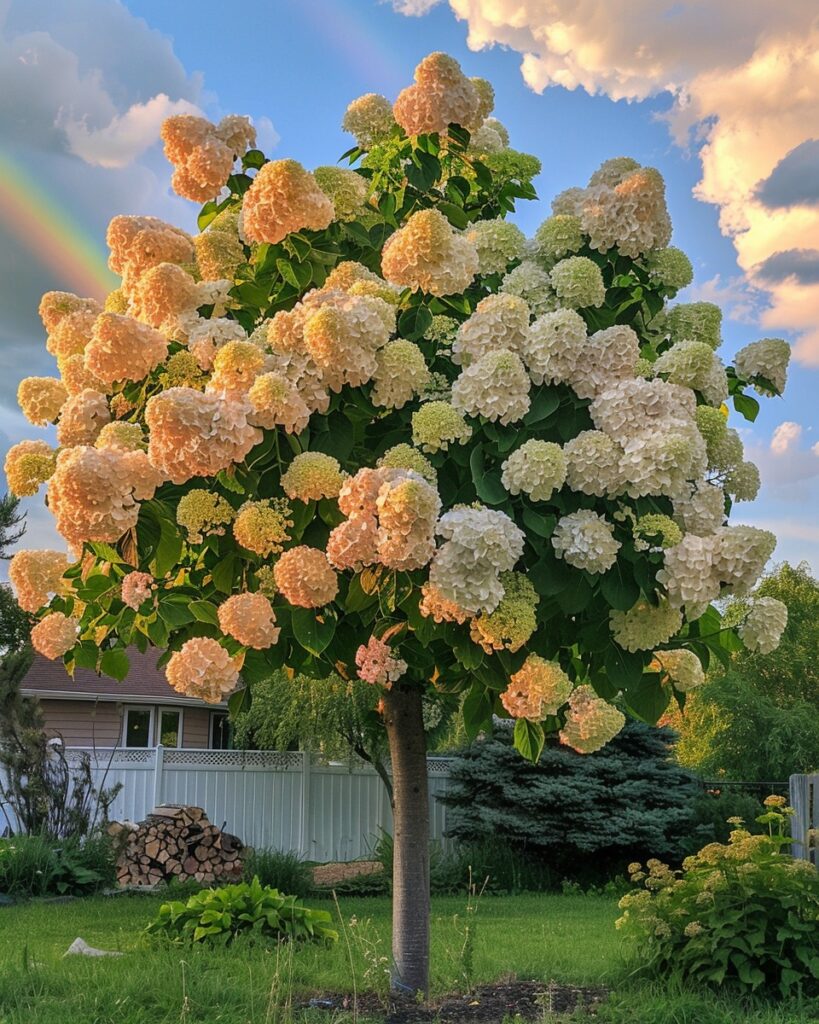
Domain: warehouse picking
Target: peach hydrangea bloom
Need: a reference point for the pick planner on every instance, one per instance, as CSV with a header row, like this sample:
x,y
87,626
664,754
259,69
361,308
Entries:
x,y
41,399
312,476
203,669
164,296
263,526
353,544
377,665
37,576
203,153
435,606
74,375
72,333
202,513
82,418
139,243
28,465
195,434
122,437
235,366
680,667
54,635
137,587
283,198
56,306
219,254
249,619
275,401
305,578
207,337
539,688
122,348
95,494
590,721
441,95
426,254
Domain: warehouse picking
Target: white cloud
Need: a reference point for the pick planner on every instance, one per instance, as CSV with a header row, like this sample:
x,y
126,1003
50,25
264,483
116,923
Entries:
x,y
413,8
267,138
785,437
745,82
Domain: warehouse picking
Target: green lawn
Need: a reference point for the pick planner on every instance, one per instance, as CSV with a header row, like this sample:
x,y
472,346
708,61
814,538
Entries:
x,y
566,938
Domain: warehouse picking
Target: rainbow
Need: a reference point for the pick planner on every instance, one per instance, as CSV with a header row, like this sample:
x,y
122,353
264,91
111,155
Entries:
x,y
57,240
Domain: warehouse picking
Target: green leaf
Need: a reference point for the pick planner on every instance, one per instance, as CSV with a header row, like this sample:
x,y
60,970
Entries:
x,y
169,548
746,406
529,739
414,322
649,698
254,158
207,214
86,655
115,663
229,482
423,171
619,587
477,710
204,611
239,701
488,486
357,598
623,668
175,614
543,405
222,574
314,632
106,552
542,525
454,214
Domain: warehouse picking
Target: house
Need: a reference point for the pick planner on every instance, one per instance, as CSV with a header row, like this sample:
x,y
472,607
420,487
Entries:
x,y
142,711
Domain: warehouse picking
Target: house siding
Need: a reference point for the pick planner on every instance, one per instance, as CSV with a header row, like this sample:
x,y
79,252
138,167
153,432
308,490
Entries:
x,y
83,723
196,728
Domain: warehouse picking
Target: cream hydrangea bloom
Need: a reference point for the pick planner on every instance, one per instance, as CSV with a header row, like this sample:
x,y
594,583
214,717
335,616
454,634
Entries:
x,y
401,374
236,365
539,688
554,346
195,434
275,401
740,556
203,669
630,214
630,408
441,95
593,464
645,625
532,284
700,508
312,476
688,573
369,118
166,297
681,667
497,243
670,267
377,665
36,576
764,625
767,359
283,198
514,620
691,321
426,254
207,337
41,399
404,456
578,282
606,356
28,465
663,462
558,236
585,540
136,589
305,578
55,635
495,386
436,425
249,618
263,526
538,468
347,190
743,482
202,513
407,509
219,253
122,437
82,417
591,722
499,321
122,348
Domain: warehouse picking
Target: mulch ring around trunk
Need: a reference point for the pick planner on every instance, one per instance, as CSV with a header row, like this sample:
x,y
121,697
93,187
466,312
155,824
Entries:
x,y
488,1004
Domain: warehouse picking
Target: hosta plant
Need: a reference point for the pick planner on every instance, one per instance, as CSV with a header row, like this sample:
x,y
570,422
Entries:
x,y
742,914
248,908
359,423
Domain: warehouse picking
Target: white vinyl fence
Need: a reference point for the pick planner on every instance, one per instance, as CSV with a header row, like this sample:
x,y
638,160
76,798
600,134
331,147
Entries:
x,y
804,795
268,799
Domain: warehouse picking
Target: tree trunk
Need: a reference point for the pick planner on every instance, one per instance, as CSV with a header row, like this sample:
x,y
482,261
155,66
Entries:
x,y
410,872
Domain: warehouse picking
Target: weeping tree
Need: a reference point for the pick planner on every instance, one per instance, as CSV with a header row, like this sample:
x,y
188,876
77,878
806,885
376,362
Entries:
x,y
360,424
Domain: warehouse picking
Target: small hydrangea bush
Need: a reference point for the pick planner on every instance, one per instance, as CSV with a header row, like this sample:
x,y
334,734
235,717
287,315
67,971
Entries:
x,y
246,909
361,423
743,914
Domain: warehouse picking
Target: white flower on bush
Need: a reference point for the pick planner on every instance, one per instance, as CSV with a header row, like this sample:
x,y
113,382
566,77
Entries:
x,y
764,625
585,540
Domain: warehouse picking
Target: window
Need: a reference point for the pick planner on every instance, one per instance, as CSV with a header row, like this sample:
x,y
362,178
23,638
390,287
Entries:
x,y
170,727
220,731
138,727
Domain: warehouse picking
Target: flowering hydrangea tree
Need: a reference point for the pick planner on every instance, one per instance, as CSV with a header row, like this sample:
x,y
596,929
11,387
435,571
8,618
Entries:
x,y
361,424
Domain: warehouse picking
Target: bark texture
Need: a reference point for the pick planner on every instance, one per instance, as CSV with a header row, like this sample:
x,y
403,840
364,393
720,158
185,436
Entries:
x,y
410,807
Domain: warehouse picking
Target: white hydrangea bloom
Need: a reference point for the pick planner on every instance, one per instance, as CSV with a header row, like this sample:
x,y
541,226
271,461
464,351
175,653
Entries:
x,y
700,508
480,543
499,321
689,363
554,346
593,464
498,243
740,556
764,625
688,574
683,668
607,356
727,452
538,468
743,482
663,461
644,626
401,373
630,214
768,359
585,540
496,386
632,407
578,282
558,236
531,283
670,267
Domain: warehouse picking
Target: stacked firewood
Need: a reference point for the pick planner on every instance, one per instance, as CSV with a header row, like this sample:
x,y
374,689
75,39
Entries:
x,y
175,841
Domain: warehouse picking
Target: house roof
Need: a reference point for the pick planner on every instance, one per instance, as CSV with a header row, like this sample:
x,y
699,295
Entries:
x,y
144,682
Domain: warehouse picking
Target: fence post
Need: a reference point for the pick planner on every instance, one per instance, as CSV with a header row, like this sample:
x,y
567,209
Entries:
x,y
304,837
159,765
800,822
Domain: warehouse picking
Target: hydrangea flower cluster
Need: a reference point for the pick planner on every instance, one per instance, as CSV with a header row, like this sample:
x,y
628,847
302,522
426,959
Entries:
x,y
55,635
377,665
681,667
585,540
137,588
312,476
203,153
284,197
249,618
590,721
514,620
203,669
36,576
427,254
764,625
537,468
537,689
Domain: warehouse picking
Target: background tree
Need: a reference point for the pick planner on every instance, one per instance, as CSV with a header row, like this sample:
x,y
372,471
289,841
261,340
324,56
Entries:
x,y
360,425
759,720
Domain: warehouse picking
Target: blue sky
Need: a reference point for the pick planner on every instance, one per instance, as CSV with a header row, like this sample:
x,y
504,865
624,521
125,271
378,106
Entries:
x,y
298,65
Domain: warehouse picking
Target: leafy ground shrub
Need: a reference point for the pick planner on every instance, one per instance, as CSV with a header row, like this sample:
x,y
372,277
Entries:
x,y
247,908
279,869
740,915
37,866
711,813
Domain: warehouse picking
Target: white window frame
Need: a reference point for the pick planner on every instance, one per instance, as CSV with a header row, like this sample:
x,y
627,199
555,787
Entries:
x,y
158,722
138,707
